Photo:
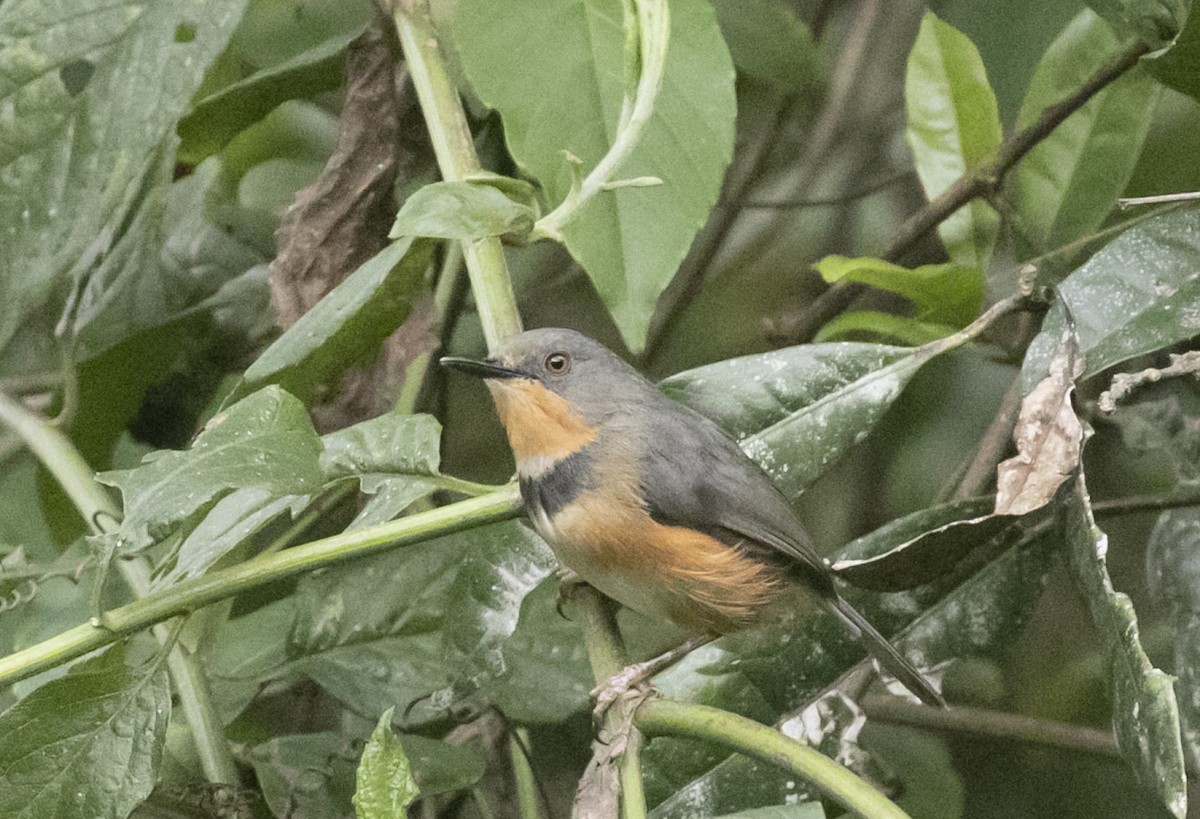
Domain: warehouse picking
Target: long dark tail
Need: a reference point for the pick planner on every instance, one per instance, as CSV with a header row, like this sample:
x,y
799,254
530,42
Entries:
x,y
886,653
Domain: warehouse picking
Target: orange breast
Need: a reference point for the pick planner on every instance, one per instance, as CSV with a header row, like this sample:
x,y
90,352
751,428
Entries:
x,y
540,424
686,576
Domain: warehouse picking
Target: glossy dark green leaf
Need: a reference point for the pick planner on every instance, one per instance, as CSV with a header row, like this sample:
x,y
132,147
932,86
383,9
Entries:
x,y
346,325
1145,714
81,134
1154,22
1069,182
940,293
370,633
246,651
545,675
87,744
215,120
931,554
310,775
465,210
953,127
1139,294
797,410
555,72
265,441
1173,573
769,42
384,785
1179,66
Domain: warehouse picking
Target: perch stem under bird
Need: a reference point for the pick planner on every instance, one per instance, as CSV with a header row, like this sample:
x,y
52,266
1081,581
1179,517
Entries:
x,y
652,503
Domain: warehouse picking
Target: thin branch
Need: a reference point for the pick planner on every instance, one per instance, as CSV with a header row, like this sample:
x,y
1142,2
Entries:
x,y
190,595
528,801
1160,199
833,201
982,181
979,722
995,443
666,718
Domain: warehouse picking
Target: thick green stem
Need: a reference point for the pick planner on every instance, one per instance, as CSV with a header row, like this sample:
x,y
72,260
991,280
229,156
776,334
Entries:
x,y
198,592
607,657
59,455
665,718
457,160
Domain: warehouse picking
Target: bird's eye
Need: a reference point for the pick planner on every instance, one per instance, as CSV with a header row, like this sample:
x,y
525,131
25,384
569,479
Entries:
x,y
558,363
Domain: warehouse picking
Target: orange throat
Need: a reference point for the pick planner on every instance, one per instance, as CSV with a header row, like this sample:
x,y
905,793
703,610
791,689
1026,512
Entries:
x,y
543,428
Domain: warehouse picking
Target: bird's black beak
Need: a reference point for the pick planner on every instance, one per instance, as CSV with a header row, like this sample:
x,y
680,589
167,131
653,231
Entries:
x,y
480,369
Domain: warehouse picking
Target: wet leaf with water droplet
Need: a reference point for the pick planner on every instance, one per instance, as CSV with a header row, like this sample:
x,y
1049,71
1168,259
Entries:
x,y
102,712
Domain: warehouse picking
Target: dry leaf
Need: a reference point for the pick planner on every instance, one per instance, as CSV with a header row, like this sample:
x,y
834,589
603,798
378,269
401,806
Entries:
x,y
1049,437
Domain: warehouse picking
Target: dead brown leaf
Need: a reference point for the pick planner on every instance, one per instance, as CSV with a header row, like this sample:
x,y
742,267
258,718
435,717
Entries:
x,y
1049,437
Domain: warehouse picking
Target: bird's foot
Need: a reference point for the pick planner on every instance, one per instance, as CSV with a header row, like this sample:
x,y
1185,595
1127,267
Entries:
x,y
629,688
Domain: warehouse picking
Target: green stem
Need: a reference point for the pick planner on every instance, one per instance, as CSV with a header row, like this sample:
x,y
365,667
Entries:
x,y
606,654
457,160
653,36
665,718
201,591
59,455
528,801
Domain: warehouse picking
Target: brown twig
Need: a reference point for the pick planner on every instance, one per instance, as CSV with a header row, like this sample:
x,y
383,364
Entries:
x,y
982,181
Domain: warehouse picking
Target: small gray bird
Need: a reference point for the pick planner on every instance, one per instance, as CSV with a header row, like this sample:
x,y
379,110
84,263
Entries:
x,y
650,502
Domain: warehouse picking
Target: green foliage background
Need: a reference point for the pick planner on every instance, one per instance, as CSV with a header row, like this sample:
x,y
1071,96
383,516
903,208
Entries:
x,y
235,235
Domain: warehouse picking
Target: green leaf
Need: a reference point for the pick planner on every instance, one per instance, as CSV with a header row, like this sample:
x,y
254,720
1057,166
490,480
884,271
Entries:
x,y
394,458
465,210
1067,185
940,293
1139,294
370,633
1145,715
233,519
264,441
797,410
391,444
872,325
384,786
770,43
81,136
218,118
88,744
1173,574
310,775
555,72
1178,67
1155,22
347,324
953,128
246,651
545,675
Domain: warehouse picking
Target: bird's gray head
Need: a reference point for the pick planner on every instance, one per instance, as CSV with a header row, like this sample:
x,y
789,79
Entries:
x,y
593,380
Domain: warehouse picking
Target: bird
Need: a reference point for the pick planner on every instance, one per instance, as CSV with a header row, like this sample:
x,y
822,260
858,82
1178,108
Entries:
x,y
652,503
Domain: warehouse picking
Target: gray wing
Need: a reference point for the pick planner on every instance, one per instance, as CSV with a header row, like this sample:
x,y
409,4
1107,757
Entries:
x,y
697,476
